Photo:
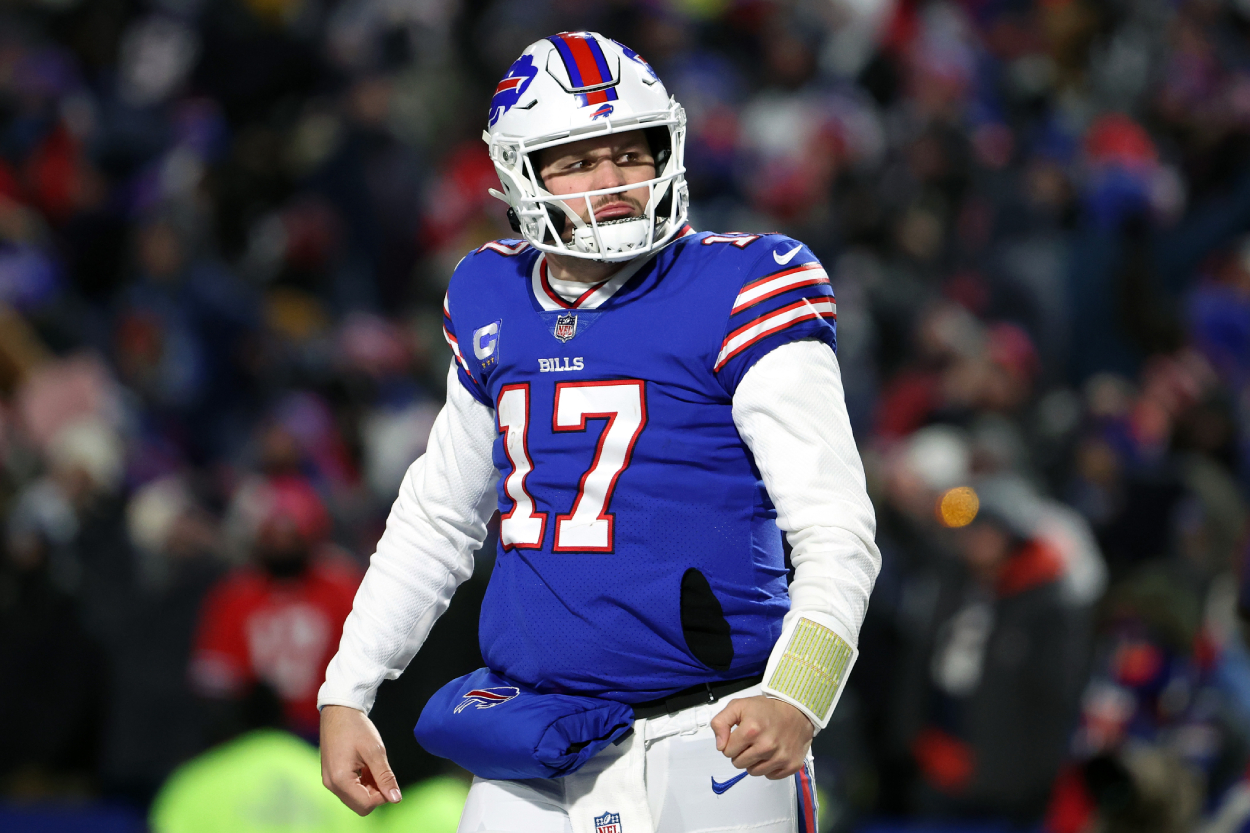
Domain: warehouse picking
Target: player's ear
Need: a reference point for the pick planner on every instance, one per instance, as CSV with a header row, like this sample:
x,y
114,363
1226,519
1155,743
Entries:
x,y
661,146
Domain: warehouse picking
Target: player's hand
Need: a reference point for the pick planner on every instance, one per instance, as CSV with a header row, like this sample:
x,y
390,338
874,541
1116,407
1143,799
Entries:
x,y
771,739
353,760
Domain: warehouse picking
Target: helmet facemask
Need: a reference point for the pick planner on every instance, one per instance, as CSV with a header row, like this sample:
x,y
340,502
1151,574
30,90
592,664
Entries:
x,y
571,87
542,218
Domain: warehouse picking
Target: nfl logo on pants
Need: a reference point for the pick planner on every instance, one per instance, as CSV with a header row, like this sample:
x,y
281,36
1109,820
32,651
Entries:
x,y
608,823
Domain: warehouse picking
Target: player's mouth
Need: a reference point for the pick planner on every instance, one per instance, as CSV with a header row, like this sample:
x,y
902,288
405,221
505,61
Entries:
x,y
616,211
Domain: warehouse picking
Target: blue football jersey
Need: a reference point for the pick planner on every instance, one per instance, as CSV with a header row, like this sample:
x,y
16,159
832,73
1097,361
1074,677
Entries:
x,y
639,552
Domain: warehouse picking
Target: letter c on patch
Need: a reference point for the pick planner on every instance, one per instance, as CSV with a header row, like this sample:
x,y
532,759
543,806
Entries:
x,y
485,340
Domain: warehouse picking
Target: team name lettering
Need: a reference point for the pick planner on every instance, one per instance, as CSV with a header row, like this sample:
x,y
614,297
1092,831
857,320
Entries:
x,y
555,366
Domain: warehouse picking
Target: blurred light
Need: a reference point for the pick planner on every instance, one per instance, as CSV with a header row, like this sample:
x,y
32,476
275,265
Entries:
x,y
958,506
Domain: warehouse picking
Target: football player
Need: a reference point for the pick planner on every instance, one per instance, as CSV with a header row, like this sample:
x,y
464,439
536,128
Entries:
x,y
649,408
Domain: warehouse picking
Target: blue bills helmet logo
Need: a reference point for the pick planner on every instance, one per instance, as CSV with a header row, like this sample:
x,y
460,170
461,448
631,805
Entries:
x,y
608,823
602,112
566,327
512,87
486,698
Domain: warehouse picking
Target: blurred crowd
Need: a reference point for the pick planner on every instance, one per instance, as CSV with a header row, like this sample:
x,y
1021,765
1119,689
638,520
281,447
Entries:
x,y
226,227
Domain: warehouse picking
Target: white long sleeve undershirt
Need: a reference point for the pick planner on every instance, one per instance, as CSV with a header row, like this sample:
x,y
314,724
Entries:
x,y
788,408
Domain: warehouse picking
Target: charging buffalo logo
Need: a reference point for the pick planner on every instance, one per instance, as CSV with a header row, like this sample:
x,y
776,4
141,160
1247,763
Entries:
x,y
486,698
634,56
512,87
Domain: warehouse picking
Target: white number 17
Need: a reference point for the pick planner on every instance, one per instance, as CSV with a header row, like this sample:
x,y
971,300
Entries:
x,y
588,526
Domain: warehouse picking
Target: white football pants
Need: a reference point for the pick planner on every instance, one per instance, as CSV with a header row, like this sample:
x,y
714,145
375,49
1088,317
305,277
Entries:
x,y
685,779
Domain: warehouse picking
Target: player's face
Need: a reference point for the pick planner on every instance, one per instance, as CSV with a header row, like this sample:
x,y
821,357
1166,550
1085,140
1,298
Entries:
x,y
594,164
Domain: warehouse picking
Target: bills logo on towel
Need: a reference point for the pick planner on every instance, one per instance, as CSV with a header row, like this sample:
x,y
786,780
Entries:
x,y
608,823
486,698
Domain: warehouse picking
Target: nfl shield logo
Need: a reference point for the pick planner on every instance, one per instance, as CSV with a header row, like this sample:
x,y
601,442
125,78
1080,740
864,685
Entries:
x,y
566,326
608,823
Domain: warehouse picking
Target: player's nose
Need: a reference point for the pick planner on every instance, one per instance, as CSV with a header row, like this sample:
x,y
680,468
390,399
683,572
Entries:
x,y
608,174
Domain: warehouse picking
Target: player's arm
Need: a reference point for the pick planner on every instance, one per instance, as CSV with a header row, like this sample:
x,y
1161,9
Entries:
x,y
789,409
436,523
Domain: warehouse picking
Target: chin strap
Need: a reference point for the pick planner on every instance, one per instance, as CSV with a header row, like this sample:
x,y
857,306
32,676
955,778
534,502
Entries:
x,y
616,235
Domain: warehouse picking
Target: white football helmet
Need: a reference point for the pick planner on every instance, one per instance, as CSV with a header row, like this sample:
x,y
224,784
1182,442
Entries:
x,y
574,86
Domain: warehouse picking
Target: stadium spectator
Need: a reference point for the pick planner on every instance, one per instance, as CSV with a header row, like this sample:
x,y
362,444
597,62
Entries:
x,y
261,780
53,668
265,780
153,720
999,668
277,620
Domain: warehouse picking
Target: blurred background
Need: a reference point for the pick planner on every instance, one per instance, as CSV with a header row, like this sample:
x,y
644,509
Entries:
x,y
226,227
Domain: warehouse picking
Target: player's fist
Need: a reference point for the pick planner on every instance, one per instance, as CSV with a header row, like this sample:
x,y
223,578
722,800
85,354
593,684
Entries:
x,y
353,760
771,739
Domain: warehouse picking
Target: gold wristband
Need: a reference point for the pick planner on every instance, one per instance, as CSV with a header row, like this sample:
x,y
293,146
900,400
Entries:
x,y
812,668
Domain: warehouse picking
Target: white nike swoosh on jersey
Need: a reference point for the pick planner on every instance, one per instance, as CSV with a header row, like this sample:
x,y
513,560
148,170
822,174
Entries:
x,y
788,256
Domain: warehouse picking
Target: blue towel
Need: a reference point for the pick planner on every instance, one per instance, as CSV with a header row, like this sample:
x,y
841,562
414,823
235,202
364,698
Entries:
x,y
499,729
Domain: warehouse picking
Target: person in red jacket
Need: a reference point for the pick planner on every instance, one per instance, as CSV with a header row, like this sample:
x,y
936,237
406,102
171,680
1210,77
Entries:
x,y
278,620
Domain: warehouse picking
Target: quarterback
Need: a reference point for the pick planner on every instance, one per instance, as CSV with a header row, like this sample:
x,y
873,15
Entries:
x,y
649,408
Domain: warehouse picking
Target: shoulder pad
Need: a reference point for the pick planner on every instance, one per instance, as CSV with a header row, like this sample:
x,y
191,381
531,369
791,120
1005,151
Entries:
x,y
760,253
503,248
749,257
491,256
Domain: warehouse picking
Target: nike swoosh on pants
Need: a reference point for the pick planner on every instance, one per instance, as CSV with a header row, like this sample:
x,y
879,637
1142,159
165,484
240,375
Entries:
x,y
719,789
